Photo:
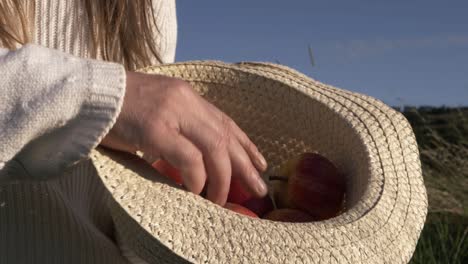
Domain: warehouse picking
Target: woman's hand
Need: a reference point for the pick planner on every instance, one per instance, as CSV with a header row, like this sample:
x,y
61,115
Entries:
x,y
165,118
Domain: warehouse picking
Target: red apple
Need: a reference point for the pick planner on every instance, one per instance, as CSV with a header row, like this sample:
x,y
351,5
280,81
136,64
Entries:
x,y
259,206
240,209
289,215
237,194
168,170
315,186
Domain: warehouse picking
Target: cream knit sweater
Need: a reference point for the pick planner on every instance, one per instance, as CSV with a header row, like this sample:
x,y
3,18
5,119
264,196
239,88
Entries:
x,y
56,104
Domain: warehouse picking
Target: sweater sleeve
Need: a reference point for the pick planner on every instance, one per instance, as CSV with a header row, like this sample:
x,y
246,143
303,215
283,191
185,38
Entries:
x,y
54,109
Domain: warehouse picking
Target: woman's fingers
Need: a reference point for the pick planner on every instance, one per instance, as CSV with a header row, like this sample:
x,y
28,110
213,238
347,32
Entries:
x,y
212,138
220,146
243,169
255,156
182,154
173,122
218,167
249,146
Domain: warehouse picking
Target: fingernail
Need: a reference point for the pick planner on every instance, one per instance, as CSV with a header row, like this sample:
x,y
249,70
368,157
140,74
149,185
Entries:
x,y
261,186
262,161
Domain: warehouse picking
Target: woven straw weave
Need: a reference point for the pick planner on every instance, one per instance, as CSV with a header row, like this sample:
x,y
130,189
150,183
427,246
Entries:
x,y
284,113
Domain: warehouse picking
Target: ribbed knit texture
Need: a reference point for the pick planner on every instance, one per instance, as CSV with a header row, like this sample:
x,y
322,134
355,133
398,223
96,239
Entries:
x,y
60,25
54,108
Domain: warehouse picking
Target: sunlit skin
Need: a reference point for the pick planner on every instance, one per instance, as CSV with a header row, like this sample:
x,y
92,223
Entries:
x,y
167,119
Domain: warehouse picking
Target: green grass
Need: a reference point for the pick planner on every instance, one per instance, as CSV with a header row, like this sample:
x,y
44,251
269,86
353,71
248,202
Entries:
x,y
442,135
443,240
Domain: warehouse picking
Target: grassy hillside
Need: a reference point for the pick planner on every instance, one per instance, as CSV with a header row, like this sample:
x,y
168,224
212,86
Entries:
x,y
442,135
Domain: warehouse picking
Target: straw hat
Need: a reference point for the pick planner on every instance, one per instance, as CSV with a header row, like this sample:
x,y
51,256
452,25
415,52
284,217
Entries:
x,y
284,113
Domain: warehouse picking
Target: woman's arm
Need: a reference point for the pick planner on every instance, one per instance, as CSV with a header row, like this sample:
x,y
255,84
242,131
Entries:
x,y
54,108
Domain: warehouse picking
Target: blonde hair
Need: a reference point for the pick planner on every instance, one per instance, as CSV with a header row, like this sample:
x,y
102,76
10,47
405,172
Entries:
x,y
123,30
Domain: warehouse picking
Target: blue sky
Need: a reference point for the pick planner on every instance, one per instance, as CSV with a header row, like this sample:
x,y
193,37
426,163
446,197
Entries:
x,y
410,51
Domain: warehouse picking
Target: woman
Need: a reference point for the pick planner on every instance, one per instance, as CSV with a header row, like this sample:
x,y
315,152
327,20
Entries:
x,y
67,85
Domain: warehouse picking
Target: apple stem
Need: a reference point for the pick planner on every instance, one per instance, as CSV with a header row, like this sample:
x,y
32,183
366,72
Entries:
x,y
278,178
272,197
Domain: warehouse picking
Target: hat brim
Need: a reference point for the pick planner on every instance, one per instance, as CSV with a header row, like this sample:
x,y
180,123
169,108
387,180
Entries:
x,y
284,113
